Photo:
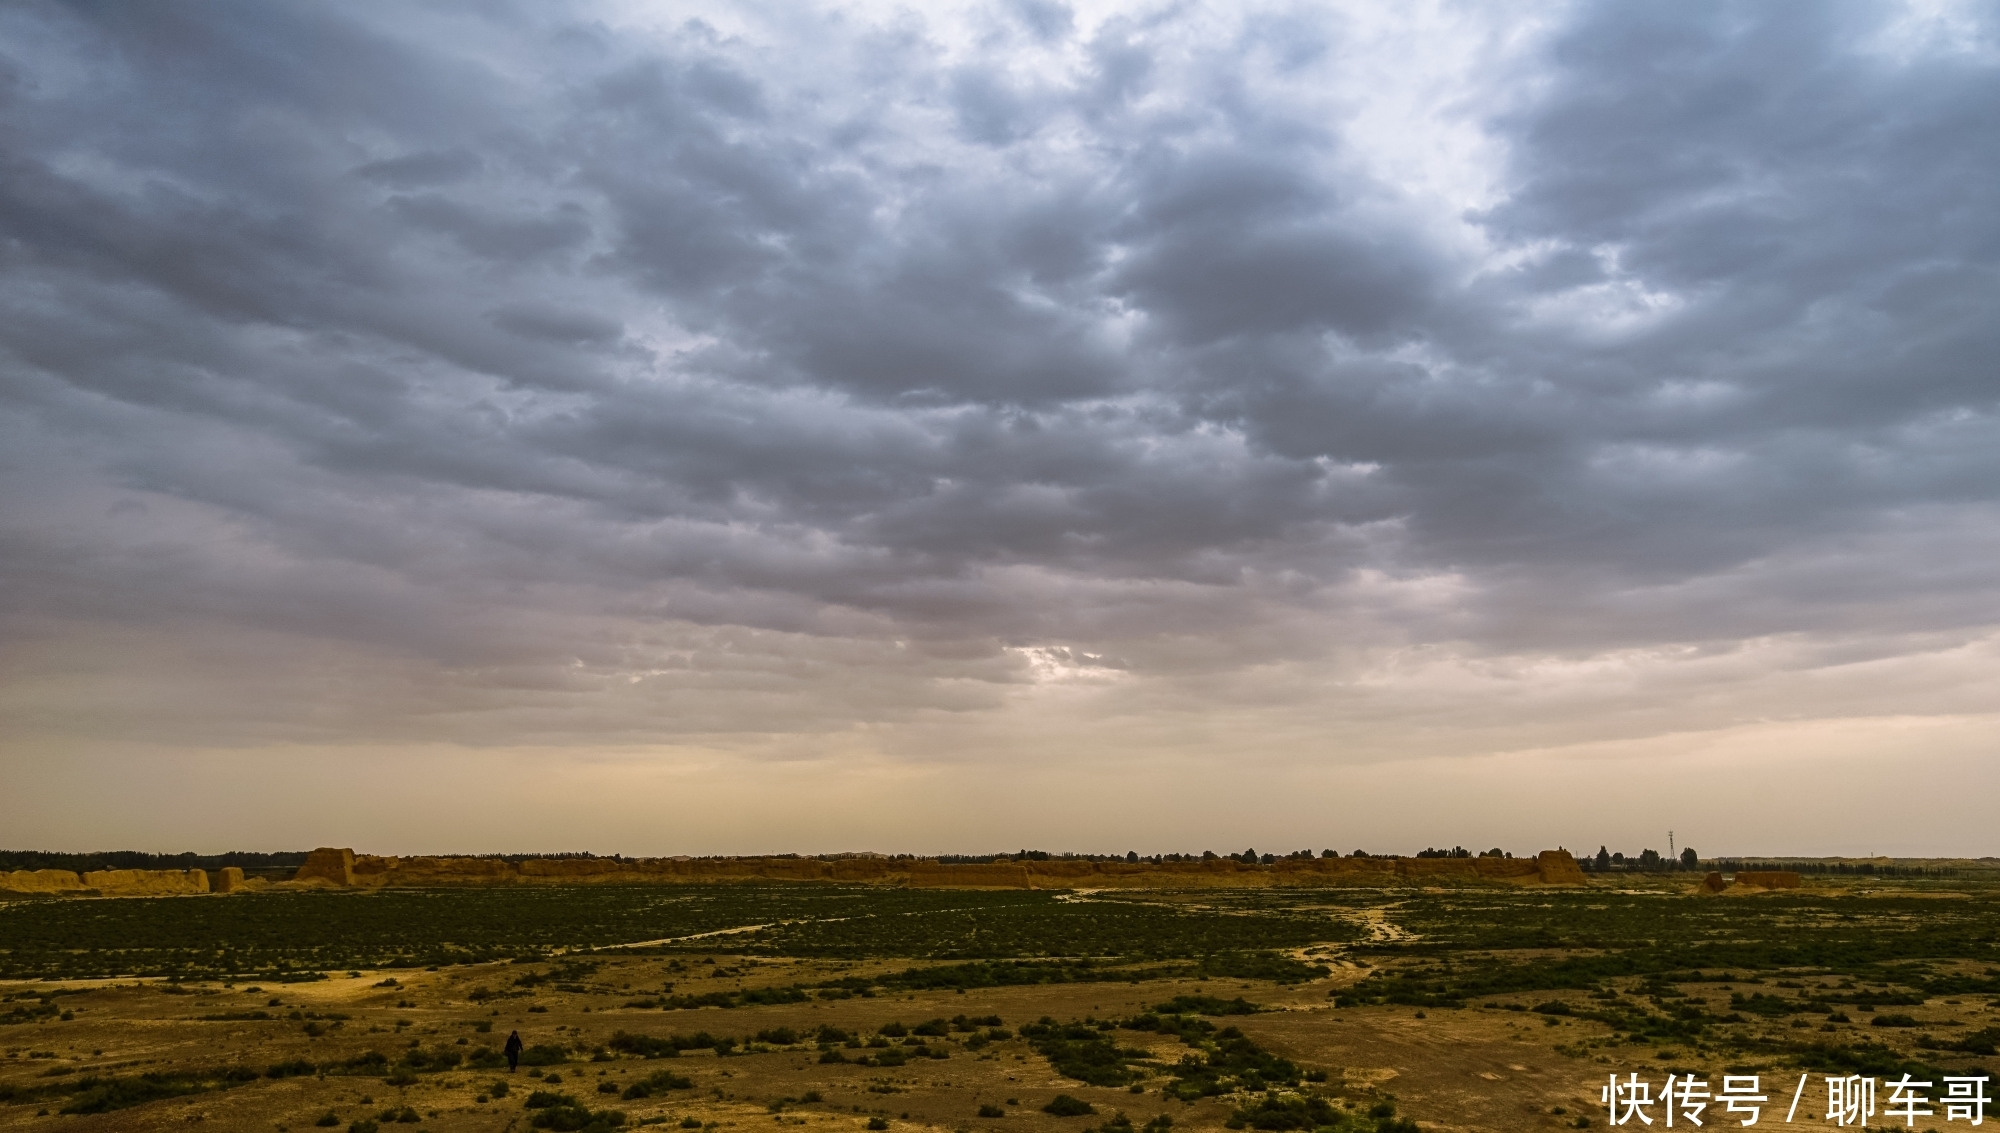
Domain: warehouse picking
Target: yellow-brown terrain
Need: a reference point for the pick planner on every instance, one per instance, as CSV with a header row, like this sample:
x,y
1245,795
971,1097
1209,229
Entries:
x,y
840,1055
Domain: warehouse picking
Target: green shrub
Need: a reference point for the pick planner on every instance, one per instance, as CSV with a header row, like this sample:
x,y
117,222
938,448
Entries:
x,y
434,1061
1274,1113
544,1054
1063,1105
545,1099
877,1124
653,1083
327,1120
1984,1041
576,1119
991,1111
367,1062
649,1046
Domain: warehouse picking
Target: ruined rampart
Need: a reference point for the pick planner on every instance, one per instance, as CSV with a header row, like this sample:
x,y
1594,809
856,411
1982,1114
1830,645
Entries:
x,y
344,868
1767,878
107,882
338,868
1747,882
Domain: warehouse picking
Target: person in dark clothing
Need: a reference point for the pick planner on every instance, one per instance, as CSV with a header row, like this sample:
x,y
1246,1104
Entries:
x,y
512,1050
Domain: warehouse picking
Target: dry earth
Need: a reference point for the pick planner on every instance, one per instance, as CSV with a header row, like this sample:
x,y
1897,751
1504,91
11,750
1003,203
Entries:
x,y
1475,1068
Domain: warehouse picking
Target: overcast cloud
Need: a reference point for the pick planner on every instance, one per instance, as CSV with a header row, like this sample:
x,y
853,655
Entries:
x,y
974,393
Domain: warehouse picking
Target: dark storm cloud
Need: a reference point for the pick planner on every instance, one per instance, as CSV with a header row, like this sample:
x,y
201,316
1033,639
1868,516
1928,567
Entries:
x,y
419,170
500,341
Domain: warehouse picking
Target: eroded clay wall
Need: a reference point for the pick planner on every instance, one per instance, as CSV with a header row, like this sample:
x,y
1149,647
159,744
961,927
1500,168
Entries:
x,y
344,868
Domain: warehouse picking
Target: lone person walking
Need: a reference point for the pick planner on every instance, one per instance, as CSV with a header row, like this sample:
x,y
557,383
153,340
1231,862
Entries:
x,y
512,1050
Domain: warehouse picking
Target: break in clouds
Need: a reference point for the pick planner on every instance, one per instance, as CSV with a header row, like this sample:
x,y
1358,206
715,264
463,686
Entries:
x,y
1360,382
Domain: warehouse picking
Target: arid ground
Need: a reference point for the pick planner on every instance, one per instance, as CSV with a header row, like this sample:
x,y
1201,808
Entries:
x,y
848,1007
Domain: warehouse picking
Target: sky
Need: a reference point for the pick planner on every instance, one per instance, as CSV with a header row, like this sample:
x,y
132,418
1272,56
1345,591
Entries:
x,y
795,427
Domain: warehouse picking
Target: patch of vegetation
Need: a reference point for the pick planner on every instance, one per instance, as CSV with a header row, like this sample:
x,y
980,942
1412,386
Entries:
x,y
544,1054
31,1012
1063,1105
742,997
92,1094
564,1113
669,1046
658,1082
1226,1062
1083,1051
1257,965
301,935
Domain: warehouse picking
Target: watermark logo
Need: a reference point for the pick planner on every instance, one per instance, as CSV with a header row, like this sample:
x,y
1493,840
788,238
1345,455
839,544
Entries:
x,y
1686,1099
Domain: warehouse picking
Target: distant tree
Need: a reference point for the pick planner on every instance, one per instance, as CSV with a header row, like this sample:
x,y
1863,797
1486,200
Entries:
x,y
1132,856
1328,854
1649,859
1208,855
1267,859
1690,859
1603,859
1248,857
1495,852
1360,854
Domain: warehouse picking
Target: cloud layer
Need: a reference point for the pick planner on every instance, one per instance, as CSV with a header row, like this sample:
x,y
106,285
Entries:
x,y
1318,386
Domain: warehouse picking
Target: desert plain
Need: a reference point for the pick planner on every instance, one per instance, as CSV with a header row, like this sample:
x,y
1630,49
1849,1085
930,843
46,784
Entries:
x,y
1439,1001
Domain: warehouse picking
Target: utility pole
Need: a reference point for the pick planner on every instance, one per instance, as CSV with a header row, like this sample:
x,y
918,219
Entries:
x,y
1670,847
